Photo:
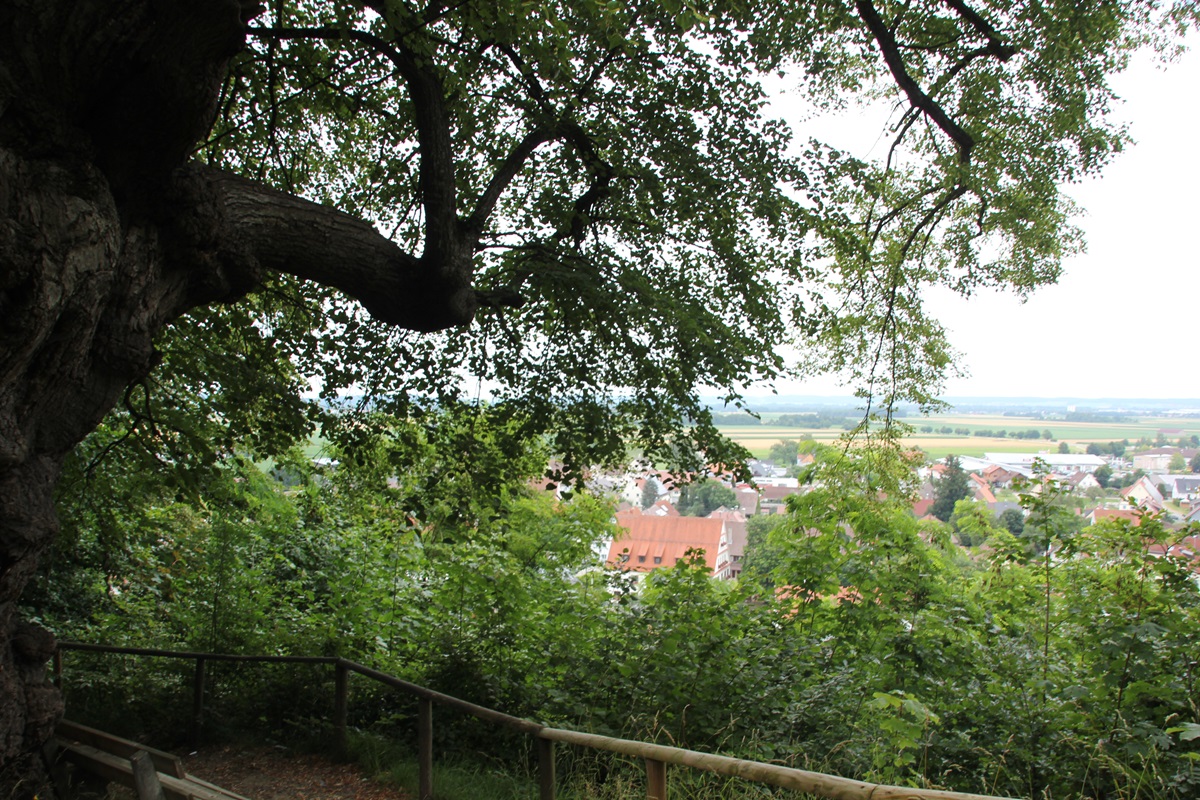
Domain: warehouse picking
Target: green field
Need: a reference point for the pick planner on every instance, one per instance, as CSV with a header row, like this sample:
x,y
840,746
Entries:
x,y
759,438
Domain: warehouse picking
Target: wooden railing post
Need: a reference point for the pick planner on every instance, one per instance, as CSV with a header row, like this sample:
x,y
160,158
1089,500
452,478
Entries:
x,y
341,691
145,777
545,752
656,779
58,669
425,748
198,702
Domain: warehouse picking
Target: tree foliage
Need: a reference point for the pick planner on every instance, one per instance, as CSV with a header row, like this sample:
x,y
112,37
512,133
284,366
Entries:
x,y
650,492
952,487
622,183
702,498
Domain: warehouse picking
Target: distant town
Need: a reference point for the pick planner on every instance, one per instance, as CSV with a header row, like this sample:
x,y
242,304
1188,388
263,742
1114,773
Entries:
x,y
1121,461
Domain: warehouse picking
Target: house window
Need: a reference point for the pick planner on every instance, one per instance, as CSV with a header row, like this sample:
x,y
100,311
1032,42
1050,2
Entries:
x,y
641,559
658,559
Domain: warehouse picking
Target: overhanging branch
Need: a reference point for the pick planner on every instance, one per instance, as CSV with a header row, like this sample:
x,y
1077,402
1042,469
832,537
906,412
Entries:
x,y
884,37
258,226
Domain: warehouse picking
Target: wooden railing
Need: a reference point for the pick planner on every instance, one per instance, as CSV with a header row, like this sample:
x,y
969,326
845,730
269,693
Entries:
x,y
656,756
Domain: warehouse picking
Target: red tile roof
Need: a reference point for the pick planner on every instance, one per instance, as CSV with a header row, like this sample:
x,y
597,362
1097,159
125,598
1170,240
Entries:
x,y
1116,513
778,493
654,542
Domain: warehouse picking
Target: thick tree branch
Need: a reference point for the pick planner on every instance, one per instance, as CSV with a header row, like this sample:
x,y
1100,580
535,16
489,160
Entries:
x,y
891,55
436,178
257,226
507,171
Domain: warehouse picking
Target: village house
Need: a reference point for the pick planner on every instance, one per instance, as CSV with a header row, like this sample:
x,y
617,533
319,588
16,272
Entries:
x,y
1082,481
1143,493
1101,514
736,527
747,497
981,491
1180,488
773,499
1159,459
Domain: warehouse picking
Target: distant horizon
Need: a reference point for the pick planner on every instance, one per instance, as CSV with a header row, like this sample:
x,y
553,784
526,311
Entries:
x,y
1141,398
773,401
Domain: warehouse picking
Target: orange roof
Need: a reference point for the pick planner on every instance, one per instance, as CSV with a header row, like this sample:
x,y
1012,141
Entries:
x,y
777,493
984,494
1117,513
654,542
663,508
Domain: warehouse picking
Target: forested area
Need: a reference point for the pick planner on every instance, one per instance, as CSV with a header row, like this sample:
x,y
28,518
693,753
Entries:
x,y
502,223
891,655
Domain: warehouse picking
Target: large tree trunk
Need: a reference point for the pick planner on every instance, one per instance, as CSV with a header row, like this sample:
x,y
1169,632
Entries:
x,y
106,235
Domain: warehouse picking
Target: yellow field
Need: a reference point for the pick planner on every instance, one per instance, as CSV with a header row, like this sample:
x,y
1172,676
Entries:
x,y
759,438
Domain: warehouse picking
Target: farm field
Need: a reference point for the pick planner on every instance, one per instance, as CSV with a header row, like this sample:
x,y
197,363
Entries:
x,y
759,438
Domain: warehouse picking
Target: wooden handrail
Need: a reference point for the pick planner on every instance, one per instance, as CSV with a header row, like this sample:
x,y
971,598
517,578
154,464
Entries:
x,y
657,756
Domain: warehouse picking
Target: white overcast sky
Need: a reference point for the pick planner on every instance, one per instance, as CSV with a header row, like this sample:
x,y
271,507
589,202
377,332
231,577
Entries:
x,y
1121,322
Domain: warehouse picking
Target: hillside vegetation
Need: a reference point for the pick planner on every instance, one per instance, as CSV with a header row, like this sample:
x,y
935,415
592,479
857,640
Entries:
x,y
891,655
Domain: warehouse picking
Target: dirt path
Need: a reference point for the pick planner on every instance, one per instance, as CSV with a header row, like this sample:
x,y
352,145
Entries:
x,y
269,773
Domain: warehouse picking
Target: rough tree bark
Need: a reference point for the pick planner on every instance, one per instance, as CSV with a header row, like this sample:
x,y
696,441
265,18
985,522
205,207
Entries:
x,y
107,234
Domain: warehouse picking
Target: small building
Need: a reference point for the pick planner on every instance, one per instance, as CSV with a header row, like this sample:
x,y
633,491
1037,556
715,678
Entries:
x,y
652,542
1064,463
1143,493
1159,458
1180,488
735,521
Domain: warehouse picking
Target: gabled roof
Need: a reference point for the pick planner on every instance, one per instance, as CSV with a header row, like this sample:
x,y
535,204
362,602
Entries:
x,y
778,493
747,497
654,542
984,494
1115,513
1145,487
735,525
1187,485
1187,548
662,508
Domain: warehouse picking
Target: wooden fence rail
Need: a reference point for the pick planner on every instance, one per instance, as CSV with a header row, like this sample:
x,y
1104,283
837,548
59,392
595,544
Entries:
x,y
655,756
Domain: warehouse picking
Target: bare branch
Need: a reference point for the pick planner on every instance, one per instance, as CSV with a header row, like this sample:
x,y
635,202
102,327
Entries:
x,y
891,55
996,45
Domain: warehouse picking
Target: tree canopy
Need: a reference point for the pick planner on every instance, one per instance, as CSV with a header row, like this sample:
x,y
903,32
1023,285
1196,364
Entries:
x,y
623,219
952,487
703,498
